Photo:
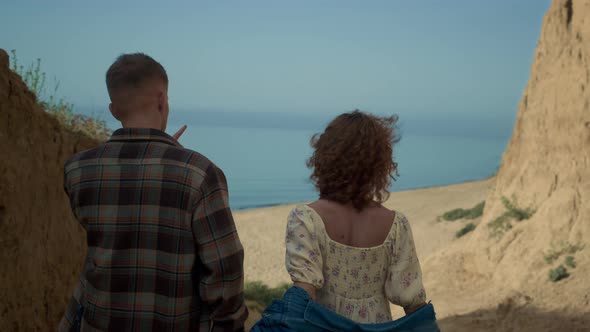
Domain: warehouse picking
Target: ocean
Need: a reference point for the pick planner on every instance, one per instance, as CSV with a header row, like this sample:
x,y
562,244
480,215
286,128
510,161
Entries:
x,y
263,155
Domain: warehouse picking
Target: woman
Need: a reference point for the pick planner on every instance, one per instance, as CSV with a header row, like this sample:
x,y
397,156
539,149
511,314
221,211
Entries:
x,y
347,254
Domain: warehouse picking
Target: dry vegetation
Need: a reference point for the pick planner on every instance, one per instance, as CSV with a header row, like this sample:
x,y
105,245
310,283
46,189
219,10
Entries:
x,y
59,107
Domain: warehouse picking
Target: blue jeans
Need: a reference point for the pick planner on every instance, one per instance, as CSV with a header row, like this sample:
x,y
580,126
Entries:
x,y
296,311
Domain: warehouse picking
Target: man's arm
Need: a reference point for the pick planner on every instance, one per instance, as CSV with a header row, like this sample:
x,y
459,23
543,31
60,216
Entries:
x,y
221,255
72,315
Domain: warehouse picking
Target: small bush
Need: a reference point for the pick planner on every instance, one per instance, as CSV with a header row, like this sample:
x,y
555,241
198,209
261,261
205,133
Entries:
x,y
454,214
558,273
260,293
515,212
472,213
476,211
502,224
468,228
562,248
569,261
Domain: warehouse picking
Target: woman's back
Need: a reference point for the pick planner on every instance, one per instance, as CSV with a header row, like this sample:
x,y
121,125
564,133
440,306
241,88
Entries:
x,y
346,225
357,261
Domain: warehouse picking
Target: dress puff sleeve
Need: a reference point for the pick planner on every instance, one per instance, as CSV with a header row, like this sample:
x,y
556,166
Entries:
x,y
403,285
303,257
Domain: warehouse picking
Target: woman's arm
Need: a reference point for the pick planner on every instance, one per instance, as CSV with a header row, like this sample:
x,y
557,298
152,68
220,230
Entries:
x,y
403,285
303,258
309,288
409,310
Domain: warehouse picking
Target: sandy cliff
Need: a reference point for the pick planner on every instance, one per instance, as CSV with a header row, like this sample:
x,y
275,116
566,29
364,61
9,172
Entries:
x,y
546,166
41,244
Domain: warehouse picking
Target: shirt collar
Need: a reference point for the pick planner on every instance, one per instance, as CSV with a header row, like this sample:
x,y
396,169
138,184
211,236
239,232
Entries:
x,y
142,134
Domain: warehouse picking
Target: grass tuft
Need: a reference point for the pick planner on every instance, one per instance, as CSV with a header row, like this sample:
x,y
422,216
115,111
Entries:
x,y
569,261
562,248
454,214
60,108
466,229
558,273
502,224
263,295
515,212
472,213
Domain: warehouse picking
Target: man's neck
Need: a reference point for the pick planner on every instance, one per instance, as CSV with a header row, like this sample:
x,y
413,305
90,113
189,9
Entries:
x,y
141,124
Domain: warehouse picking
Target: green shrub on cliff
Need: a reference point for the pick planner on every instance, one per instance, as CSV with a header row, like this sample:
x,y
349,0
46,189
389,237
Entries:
x,y
569,261
564,247
466,229
261,294
502,224
558,273
61,109
472,213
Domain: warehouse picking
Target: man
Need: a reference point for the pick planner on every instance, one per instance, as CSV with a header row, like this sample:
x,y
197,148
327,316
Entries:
x,y
163,251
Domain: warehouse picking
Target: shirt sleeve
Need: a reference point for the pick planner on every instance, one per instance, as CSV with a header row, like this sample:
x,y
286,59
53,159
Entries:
x,y
221,255
68,320
71,198
303,257
403,285
72,317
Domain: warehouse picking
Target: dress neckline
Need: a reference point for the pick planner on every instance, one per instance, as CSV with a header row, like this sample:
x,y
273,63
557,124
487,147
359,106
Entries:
x,y
387,239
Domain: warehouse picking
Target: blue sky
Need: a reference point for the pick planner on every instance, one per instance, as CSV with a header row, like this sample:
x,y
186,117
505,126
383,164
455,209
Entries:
x,y
443,57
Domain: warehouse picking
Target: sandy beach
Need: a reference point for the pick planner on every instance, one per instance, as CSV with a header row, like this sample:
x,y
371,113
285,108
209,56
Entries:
x,y
262,230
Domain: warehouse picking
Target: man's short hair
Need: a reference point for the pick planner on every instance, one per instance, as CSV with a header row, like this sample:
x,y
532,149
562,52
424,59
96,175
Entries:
x,y
131,70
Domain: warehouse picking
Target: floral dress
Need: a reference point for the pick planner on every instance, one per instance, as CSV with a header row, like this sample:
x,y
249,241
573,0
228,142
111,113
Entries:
x,y
357,283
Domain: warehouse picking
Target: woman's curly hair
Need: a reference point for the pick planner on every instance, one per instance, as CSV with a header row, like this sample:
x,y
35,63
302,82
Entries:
x,y
352,160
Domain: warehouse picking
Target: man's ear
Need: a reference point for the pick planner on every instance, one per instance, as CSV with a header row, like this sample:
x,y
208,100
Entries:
x,y
162,102
162,99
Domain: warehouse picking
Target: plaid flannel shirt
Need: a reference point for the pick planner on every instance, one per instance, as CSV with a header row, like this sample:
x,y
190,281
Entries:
x,y
163,251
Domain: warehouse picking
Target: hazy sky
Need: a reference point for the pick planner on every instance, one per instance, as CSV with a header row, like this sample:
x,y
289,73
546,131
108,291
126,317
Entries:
x,y
277,55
